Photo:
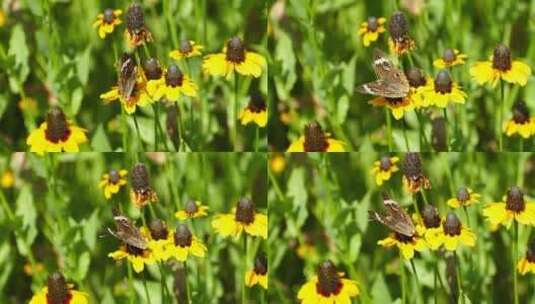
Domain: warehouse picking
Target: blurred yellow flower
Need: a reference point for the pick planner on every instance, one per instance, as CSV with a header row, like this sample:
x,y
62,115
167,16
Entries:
x,y
242,218
136,256
107,22
58,291
451,57
370,30
277,162
500,66
193,209
315,140
188,48
255,112
527,264
465,197
383,169
112,182
234,58
512,208
175,84
8,179
407,245
258,275
521,123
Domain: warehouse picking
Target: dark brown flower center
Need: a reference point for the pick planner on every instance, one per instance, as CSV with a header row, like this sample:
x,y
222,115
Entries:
x,y
463,195
372,24
452,225
416,77
502,58
315,139
183,236
398,26
520,112
58,291
152,69
261,264
403,238
135,21
515,200
385,163
329,282
443,82
449,55
114,176
245,212
174,76
109,16
530,254
191,207
185,47
430,216
57,128
158,230
256,103
395,101
412,166
235,50
140,178
133,250
438,134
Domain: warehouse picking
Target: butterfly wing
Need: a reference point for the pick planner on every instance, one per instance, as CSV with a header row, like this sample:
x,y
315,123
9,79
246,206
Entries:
x,y
127,76
128,233
395,218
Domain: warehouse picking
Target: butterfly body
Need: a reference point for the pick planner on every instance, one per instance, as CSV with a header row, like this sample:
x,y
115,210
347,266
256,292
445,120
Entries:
x,y
127,76
127,232
395,218
391,82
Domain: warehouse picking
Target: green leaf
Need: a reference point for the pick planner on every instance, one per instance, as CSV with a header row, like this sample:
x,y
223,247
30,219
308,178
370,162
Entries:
x,y
380,292
354,247
83,65
18,48
297,188
348,78
100,141
90,229
26,210
341,108
76,101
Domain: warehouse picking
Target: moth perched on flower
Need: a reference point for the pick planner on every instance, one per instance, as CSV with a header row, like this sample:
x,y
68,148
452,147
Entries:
x,y
404,234
315,140
58,291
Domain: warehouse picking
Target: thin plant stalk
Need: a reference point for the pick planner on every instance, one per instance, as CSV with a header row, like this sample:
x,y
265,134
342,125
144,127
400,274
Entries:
x,y
131,283
235,116
500,116
146,289
246,260
156,122
257,131
138,133
447,133
188,292
515,258
125,129
417,281
459,278
388,129
405,135
402,270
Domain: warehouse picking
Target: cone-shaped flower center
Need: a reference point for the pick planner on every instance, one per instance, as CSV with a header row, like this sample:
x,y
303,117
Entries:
x,y
515,200
57,128
520,112
183,236
114,176
152,69
385,163
133,250
463,195
452,225
430,216
185,47
502,58
403,238
58,292
443,82
235,50
530,254
438,133
245,211
135,21
256,103
109,16
140,178
158,230
449,55
372,24
174,76
416,77
398,26
191,207
261,264
315,139
412,166
329,282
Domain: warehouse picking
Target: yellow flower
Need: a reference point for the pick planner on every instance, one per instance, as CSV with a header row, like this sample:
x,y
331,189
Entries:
x,y
153,76
429,226
258,275
370,30
520,123
29,105
193,209
56,134
383,169
234,58
8,179
277,162
418,83
442,91
406,244
31,270
414,178
159,239
242,218
514,208
454,233
188,48
451,57
315,140
500,66
175,84
398,106
400,41
136,31
465,197
112,182
136,256
306,250
184,243
2,18
58,291
141,193
527,264
256,111
107,22
328,287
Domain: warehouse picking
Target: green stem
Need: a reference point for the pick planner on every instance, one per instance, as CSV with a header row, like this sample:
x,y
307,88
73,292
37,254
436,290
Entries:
x,y
405,135
417,281
138,133
515,258
276,186
388,129
500,116
402,270
125,129
162,283
245,263
459,278
156,122
146,289
235,114
257,131
424,197
467,217
447,133
131,283
186,285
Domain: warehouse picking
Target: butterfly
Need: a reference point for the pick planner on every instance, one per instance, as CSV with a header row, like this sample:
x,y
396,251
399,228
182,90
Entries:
x,y
127,71
395,218
391,82
127,231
